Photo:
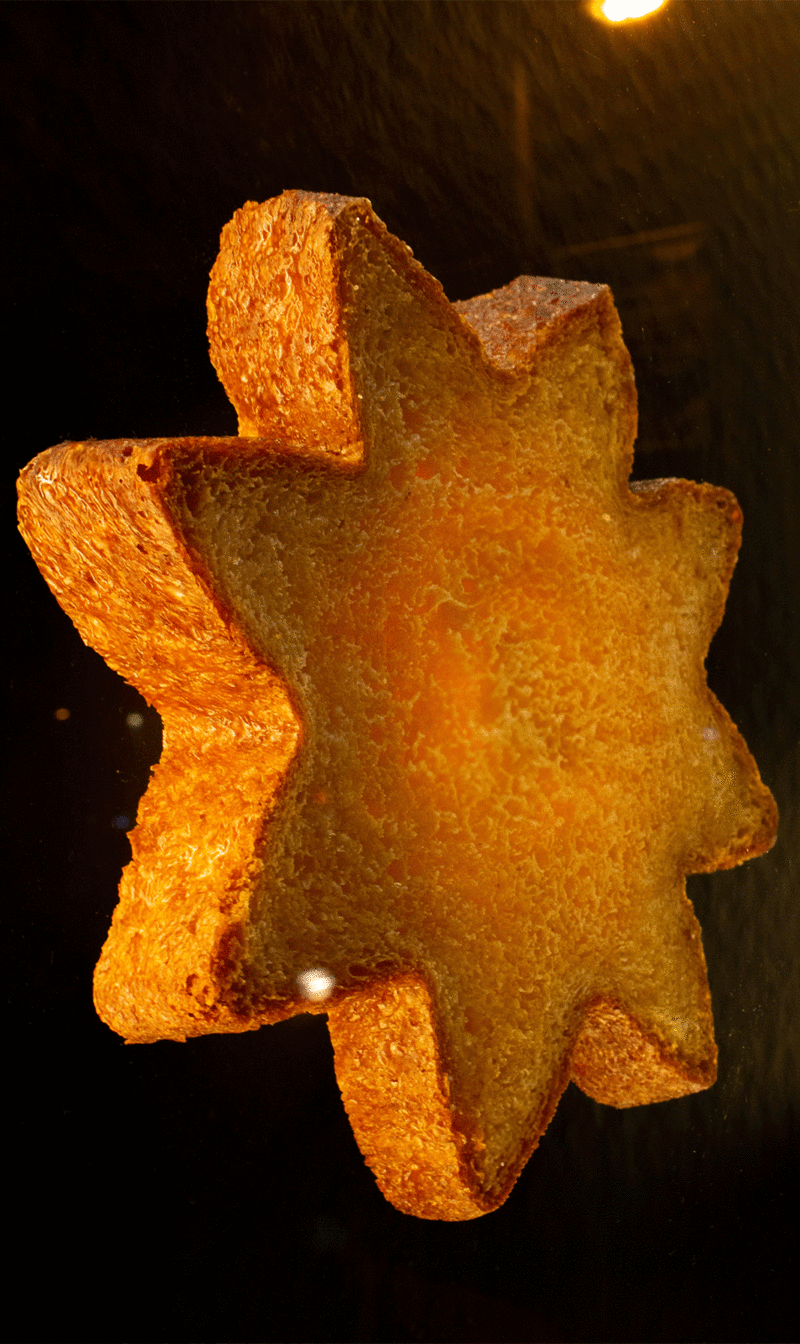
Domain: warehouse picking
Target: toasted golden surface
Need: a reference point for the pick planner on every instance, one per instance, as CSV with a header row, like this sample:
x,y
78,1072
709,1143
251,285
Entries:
x,y
435,715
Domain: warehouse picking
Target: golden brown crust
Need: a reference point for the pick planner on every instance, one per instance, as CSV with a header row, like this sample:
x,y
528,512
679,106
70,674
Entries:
x,y
619,1064
96,519
435,717
514,323
426,1156
397,1097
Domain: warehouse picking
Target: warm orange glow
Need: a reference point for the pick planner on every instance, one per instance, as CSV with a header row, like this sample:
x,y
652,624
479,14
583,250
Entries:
x,y
619,11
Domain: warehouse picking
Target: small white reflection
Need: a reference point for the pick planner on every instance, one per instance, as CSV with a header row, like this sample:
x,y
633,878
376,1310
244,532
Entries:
x,y
316,984
122,823
134,720
709,734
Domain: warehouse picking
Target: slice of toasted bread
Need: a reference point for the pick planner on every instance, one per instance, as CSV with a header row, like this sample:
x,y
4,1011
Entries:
x,y
438,745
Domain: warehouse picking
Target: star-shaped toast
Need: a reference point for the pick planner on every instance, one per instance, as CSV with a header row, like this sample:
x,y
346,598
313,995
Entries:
x,y
438,746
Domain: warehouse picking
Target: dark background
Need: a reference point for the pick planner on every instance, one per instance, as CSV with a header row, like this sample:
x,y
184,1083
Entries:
x,y
213,1190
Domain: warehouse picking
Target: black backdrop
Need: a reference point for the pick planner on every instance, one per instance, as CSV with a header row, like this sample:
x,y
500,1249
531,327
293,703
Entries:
x,y
213,1190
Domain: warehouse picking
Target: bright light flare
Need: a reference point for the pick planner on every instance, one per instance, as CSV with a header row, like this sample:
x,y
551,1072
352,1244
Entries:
x,y
619,11
316,984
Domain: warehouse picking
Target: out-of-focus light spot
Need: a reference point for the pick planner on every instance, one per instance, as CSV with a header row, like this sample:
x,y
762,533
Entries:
x,y
709,734
316,984
619,11
121,823
134,720
62,715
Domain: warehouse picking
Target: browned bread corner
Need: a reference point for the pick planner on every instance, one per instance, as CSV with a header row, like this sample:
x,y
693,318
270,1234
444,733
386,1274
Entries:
x,y
438,746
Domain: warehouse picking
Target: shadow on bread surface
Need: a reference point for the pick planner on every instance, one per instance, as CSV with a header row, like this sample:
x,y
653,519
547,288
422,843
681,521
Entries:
x,y
439,750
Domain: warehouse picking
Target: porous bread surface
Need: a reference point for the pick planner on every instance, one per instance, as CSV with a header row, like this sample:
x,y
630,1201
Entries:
x,y
435,713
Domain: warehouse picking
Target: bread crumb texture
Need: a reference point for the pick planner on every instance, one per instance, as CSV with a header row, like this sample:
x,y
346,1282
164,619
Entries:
x,y
438,746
